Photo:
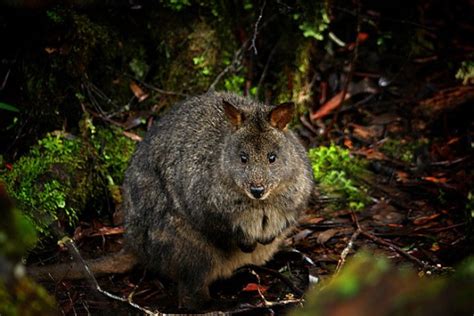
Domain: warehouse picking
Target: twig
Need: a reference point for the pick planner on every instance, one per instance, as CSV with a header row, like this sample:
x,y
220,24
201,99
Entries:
x,y
350,244
233,66
148,85
389,245
255,31
308,125
346,250
437,230
102,116
71,246
5,79
397,249
237,59
156,89
268,303
75,252
448,163
265,301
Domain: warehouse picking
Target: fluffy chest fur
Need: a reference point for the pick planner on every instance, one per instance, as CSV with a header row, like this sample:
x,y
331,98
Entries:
x,y
263,222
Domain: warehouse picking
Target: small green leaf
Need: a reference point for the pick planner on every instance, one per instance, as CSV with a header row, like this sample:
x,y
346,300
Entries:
x,y
8,107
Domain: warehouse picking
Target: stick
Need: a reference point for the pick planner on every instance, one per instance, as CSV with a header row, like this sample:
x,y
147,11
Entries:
x,y
283,278
255,31
346,250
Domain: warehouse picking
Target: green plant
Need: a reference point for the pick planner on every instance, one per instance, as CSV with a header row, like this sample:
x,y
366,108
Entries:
x,y
8,107
115,151
235,83
336,171
315,28
202,65
466,72
176,5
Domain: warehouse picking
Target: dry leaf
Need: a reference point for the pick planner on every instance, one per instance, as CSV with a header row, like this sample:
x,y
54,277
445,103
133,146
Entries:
x,y
425,219
133,136
107,231
254,287
435,180
329,106
138,92
324,236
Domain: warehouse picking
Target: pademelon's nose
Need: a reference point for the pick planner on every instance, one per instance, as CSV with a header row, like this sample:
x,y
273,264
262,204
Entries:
x,y
257,191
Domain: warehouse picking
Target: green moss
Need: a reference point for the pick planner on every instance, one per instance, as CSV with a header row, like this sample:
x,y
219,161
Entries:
x,y
336,171
63,173
41,181
115,150
235,83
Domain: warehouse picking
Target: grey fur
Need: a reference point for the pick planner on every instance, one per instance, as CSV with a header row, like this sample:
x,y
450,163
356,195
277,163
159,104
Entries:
x,y
190,215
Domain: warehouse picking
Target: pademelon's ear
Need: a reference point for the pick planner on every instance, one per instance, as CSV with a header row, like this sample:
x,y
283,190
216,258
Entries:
x,y
281,115
234,116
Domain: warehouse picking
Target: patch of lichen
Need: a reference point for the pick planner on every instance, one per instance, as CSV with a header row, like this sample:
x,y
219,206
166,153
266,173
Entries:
x,y
63,174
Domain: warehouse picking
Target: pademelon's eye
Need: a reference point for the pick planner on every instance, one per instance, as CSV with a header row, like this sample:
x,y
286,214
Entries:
x,y
244,158
272,157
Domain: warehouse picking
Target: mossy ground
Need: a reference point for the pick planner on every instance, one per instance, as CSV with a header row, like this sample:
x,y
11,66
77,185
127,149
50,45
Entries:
x,y
63,174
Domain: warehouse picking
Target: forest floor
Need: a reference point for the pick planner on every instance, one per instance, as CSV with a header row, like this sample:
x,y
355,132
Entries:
x,y
416,215
406,119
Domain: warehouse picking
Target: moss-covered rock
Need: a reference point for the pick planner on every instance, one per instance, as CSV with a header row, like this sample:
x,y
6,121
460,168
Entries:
x,y
63,174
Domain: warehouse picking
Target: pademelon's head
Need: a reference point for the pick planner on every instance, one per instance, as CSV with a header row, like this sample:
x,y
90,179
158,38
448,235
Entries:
x,y
257,154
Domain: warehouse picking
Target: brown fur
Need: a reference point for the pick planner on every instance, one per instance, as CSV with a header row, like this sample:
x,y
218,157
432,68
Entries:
x,y
217,184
